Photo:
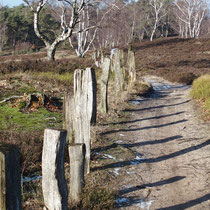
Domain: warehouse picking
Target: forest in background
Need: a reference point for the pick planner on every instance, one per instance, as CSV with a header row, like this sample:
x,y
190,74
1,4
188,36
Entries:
x,y
102,24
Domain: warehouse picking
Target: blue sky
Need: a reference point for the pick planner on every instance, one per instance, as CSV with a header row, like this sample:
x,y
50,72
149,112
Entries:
x,y
11,3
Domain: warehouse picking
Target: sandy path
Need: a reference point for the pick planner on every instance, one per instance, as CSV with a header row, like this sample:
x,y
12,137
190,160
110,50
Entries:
x,y
172,166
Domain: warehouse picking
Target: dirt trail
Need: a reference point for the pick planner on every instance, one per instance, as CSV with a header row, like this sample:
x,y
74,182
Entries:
x,y
172,165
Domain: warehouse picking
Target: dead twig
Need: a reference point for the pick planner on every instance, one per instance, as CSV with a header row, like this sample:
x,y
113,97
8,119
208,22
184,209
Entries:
x,y
12,97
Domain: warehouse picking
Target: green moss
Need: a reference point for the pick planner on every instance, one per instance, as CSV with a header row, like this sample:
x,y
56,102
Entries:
x,y
13,117
26,89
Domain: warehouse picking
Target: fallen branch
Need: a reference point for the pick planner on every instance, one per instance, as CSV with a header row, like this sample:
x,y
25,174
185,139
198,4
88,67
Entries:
x,y
12,97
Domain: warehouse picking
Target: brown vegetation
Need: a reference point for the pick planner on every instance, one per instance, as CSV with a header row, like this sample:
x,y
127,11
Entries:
x,y
175,59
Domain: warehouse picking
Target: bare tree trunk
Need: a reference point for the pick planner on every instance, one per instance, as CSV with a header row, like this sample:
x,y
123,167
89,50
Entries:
x,y
153,31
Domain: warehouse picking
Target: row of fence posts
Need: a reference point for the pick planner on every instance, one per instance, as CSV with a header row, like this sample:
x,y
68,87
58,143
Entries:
x,y
79,114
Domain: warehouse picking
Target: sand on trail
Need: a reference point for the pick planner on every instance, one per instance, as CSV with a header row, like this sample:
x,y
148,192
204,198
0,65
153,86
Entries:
x,y
172,166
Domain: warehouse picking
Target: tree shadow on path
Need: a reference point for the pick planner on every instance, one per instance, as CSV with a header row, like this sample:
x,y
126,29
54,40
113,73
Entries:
x,y
138,144
155,184
188,204
144,128
155,107
153,160
149,118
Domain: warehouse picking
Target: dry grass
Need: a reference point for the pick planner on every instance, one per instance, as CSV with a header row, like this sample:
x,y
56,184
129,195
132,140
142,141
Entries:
x,y
201,92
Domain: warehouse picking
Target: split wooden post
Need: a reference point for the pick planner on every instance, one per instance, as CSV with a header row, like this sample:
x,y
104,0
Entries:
x,y
82,109
104,85
119,78
10,179
89,89
77,166
54,186
131,67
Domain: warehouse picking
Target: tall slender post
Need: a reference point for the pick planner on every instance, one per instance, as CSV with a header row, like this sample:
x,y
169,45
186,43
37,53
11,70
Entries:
x,y
131,67
118,73
104,85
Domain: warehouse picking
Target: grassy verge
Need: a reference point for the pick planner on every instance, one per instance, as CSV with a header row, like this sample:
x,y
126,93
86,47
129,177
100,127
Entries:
x,y
12,117
201,92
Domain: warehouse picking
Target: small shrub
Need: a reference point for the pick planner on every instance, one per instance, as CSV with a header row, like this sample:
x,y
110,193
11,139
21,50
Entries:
x,y
187,78
141,88
201,91
201,88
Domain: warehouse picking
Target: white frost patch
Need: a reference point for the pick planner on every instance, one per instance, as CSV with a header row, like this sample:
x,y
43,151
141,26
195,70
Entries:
x,y
166,87
139,157
135,102
130,172
109,156
121,201
159,86
144,204
139,98
118,141
29,179
116,171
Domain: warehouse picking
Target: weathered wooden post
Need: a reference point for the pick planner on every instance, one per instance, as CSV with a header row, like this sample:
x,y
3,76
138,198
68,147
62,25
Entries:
x,y
82,109
54,186
77,166
104,85
89,90
131,67
88,109
68,116
122,63
119,78
10,180
98,57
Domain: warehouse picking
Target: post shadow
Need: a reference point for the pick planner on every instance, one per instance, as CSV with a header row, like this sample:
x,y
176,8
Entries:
x,y
153,160
188,204
149,118
155,184
144,128
138,144
155,107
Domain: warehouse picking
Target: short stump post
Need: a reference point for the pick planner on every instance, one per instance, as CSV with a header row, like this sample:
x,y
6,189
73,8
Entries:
x,y
77,167
54,186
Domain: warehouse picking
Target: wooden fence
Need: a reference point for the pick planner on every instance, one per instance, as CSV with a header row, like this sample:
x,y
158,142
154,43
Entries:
x,y
79,115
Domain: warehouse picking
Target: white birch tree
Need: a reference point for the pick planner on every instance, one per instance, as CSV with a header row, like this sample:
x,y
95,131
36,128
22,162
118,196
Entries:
x,y
190,14
158,12
68,8
92,18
